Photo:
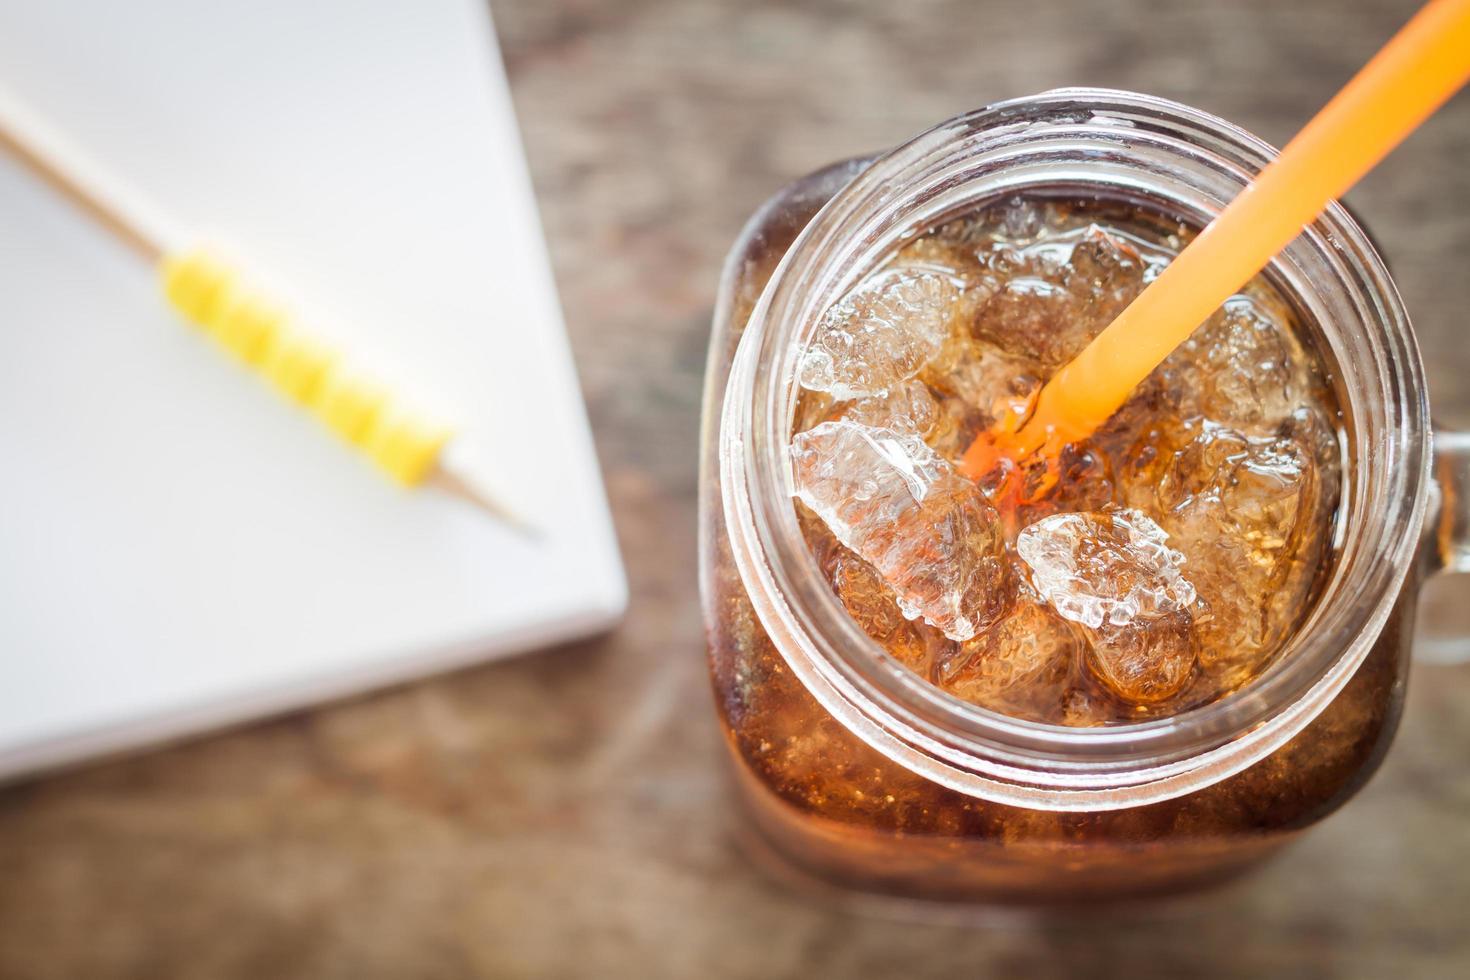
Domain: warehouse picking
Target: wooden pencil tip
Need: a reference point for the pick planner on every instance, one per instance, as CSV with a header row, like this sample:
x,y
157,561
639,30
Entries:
x,y
446,480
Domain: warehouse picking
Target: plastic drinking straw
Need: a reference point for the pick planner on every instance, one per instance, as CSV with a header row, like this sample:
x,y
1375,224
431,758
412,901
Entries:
x,y
1412,76
407,448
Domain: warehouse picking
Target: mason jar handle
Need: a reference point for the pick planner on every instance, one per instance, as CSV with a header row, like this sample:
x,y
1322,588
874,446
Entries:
x,y
1448,535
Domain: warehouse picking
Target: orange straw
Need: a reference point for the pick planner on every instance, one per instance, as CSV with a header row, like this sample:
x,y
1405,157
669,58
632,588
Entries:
x,y
1413,75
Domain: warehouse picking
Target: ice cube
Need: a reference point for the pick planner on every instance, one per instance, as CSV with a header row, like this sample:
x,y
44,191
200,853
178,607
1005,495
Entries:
x,y
1023,318
954,244
865,595
950,256
956,425
1106,268
1006,261
1048,258
1240,368
1112,572
986,378
1146,660
1238,506
1108,567
915,644
971,390
880,334
955,252
1253,487
928,531
1022,218
1036,320
1017,649
907,407
1083,708
1086,480
873,606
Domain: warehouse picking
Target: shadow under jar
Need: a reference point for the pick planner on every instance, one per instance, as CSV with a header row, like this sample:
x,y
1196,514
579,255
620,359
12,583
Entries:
x,y
859,772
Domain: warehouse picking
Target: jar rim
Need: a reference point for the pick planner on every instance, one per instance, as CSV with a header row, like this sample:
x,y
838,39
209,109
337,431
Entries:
x,y
976,750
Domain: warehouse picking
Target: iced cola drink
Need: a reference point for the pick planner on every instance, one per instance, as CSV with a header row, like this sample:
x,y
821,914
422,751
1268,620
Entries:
x,y
1154,569
1156,566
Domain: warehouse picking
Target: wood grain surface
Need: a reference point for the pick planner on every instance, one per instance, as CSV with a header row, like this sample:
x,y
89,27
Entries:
x,y
566,814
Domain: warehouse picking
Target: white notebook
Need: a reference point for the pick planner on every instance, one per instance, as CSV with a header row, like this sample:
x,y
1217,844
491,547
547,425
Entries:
x,y
179,549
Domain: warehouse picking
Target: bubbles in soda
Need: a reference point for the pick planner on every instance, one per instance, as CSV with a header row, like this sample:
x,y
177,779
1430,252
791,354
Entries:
x,y
1178,547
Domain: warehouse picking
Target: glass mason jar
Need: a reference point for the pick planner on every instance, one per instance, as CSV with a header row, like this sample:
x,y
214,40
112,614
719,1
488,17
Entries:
x,y
858,771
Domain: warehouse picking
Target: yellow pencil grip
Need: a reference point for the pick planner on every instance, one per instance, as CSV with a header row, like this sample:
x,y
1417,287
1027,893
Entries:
x,y
209,294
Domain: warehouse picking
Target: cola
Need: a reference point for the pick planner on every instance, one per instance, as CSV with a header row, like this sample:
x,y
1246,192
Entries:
x,y
1156,566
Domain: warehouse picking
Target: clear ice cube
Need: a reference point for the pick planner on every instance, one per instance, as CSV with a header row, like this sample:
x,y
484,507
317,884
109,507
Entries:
x,y
971,390
1144,661
1030,318
987,379
1110,567
881,333
1058,292
928,531
1027,642
1106,269
865,595
1240,367
1257,483
907,407
1237,506
1112,572
1102,260
1022,218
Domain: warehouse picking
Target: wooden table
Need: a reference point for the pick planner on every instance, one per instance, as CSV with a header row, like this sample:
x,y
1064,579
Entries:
x,y
566,814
